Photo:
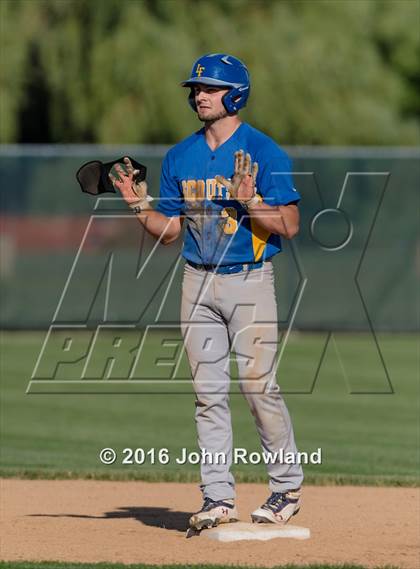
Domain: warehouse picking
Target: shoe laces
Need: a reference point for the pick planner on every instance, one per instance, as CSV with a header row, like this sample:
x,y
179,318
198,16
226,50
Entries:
x,y
275,500
209,504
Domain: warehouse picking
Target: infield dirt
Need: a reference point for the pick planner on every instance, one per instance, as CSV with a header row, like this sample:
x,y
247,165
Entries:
x,y
133,522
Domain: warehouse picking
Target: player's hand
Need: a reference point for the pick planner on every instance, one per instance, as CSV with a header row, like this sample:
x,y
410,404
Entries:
x,y
123,177
242,186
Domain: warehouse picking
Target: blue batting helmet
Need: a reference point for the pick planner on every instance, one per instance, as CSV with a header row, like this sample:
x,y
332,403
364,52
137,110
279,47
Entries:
x,y
221,70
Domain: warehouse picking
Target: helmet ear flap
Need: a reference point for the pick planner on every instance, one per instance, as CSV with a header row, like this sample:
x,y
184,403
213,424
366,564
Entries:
x,y
191,99
235,99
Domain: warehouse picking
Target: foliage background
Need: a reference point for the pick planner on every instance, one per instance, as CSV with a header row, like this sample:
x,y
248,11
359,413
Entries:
x,y
332,72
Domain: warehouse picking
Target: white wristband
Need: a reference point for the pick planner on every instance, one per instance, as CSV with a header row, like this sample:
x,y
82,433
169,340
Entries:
x,y
251,202
143,204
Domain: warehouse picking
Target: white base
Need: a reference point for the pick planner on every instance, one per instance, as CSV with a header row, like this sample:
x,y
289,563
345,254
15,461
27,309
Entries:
x,y
263,532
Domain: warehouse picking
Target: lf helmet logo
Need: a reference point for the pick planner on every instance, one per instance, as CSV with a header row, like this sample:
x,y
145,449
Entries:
x,y
199,70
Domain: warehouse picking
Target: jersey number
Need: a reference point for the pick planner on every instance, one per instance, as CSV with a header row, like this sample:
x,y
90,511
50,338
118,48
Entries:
x,y
230,225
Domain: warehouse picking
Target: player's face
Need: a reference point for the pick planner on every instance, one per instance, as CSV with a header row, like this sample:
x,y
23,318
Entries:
x,y
209,102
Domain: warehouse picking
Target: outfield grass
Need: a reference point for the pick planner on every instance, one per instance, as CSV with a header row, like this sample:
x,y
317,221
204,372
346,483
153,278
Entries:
x,y
365,438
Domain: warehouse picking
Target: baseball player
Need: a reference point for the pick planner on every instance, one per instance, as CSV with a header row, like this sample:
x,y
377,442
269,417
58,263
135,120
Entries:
x,y
231,186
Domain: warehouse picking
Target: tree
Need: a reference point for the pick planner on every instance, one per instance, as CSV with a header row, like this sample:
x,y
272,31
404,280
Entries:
x,y
323,71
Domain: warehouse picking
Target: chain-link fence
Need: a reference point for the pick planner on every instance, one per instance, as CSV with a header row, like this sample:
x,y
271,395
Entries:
x,y
65,257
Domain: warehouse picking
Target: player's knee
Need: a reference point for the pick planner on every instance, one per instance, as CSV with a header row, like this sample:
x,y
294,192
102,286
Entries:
x,y
255,370
205,402
252,374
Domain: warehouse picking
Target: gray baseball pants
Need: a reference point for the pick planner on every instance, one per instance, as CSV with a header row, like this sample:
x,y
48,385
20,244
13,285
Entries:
x,y
238,313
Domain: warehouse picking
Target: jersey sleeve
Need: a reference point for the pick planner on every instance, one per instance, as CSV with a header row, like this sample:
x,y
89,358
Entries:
x,y
171,202
274,179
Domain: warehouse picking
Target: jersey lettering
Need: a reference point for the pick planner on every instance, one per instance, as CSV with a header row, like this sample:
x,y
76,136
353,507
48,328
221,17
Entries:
x,y
207,189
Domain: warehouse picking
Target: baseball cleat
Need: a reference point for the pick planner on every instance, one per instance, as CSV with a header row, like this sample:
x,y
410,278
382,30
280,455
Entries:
x,y
279,508
213,513
191,532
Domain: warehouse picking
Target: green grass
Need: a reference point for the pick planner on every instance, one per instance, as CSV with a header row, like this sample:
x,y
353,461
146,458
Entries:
x,y
188,476
365,438
61,565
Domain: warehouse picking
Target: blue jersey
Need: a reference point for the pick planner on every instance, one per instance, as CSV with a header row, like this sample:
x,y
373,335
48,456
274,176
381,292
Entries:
x,y
218,229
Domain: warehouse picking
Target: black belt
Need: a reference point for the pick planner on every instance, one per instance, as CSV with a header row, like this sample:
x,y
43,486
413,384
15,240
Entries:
x,y
227,269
